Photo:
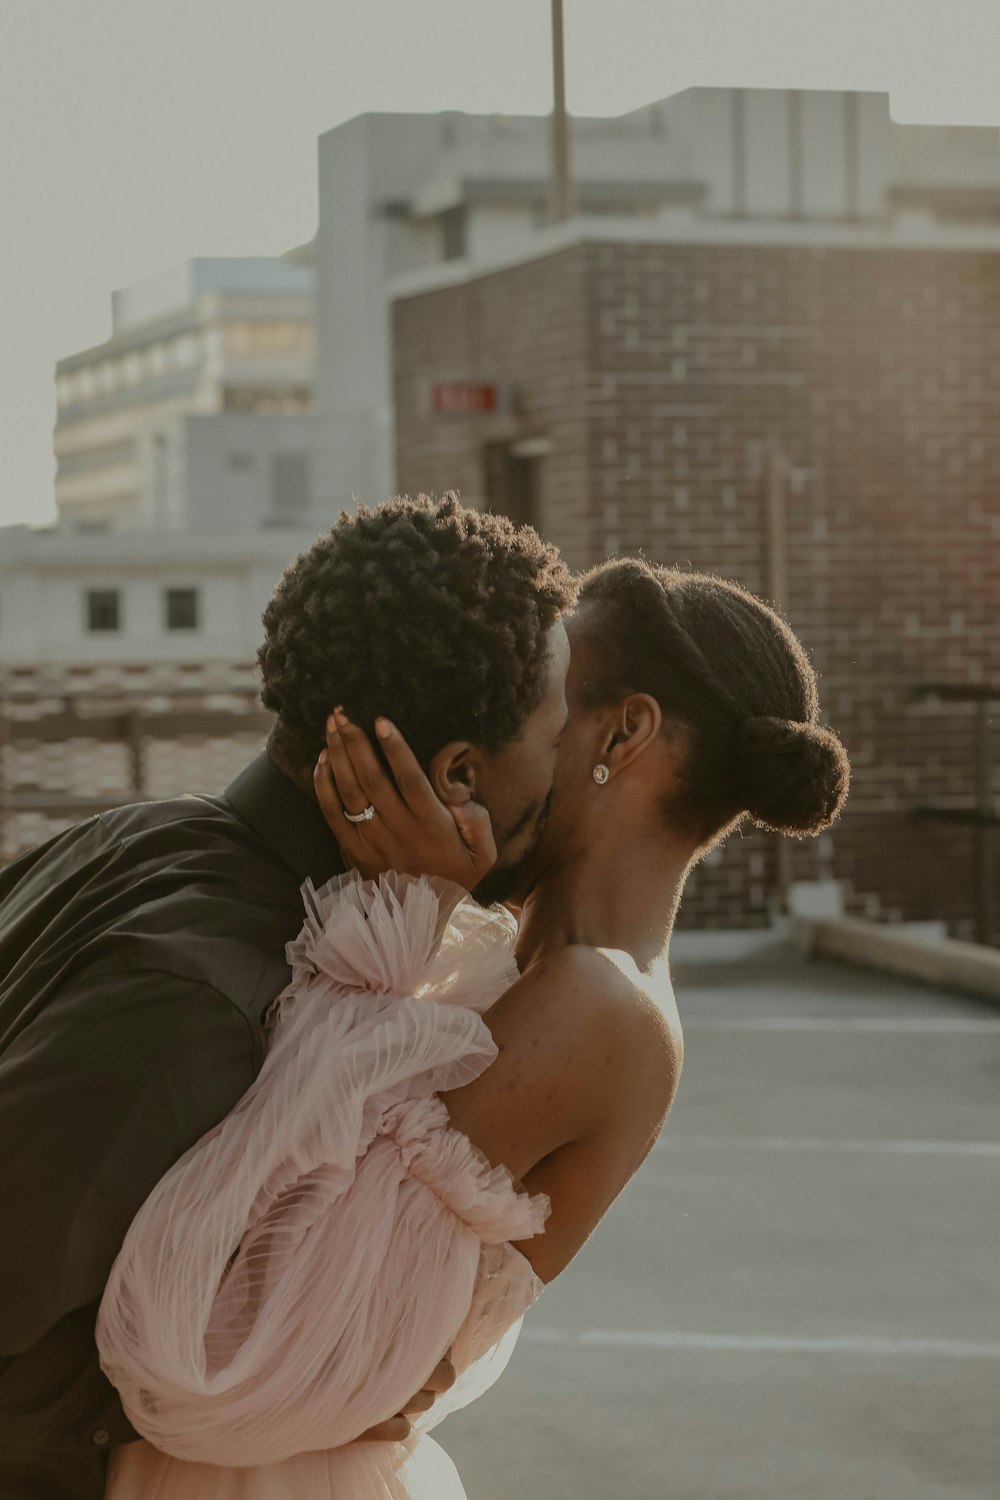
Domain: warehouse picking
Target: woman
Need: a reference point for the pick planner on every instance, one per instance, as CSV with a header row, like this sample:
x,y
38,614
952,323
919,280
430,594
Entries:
x,y
432,1137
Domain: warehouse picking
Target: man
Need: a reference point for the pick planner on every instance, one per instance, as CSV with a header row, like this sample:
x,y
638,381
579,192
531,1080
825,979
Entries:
x,y
140,950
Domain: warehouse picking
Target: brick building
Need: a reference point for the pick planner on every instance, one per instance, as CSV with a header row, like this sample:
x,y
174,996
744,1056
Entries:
x,y
813,412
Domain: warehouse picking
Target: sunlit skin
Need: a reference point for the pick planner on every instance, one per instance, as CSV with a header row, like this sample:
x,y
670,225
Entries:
x,y
590,1040
608,870
589,1044
593,1011
513,784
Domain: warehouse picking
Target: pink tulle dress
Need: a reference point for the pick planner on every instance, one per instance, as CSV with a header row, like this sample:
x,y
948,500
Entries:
x,y
298,1273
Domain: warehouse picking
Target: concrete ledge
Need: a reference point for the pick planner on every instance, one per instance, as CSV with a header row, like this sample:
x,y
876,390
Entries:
x,y
729,945
939,961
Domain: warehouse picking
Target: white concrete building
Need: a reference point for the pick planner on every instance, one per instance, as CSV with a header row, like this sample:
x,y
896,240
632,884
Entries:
x,y
227,474
213,339
128,630
127,666
402,193
71,599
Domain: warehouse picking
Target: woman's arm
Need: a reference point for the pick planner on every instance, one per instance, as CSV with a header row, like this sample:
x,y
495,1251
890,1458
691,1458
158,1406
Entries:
x,y
587,1072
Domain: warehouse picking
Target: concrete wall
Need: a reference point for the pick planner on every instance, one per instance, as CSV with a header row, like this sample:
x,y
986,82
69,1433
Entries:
x,y
222,474
44,580
175,289
209,334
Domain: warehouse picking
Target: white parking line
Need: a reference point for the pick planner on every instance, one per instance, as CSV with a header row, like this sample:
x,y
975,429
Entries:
x,y
627,1338
913,1025
813,1143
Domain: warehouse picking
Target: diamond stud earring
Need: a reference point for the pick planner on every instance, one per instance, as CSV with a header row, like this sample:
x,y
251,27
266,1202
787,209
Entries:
x,y
601,775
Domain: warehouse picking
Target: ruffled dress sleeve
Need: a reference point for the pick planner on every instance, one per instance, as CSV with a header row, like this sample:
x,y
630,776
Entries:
x,y
296,1276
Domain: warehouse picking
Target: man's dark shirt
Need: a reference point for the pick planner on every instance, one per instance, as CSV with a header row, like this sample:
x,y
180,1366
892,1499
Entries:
x,y
139,951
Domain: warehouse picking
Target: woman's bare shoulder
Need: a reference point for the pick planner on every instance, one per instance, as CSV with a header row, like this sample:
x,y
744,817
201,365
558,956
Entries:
x,y
603,987
582,1049
588,1064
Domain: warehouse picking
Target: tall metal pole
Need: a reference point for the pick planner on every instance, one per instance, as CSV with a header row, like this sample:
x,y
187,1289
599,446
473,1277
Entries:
x,y
562,199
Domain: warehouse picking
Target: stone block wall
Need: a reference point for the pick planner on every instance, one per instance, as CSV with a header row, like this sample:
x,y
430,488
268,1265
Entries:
x,y
665,378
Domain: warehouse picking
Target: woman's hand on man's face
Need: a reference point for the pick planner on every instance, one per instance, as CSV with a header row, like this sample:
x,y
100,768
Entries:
x,y
411,830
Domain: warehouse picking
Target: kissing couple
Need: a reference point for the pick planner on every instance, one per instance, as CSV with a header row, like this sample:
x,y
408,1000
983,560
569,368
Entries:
x,y
301,1118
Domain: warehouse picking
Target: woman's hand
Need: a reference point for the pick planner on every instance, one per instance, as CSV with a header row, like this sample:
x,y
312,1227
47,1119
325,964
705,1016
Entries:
x,y
411,831
397,1429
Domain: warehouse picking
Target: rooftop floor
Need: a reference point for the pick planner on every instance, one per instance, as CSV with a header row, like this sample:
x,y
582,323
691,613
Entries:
x,y
798,1294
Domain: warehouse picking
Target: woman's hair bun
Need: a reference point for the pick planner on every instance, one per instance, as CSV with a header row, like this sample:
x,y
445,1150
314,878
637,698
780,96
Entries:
x,y
792,777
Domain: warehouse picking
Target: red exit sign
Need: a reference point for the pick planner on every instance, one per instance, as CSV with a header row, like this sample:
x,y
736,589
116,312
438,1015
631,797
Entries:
x,y
460,397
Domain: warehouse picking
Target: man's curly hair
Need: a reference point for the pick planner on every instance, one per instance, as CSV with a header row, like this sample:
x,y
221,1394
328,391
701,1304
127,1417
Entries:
x,y
424,610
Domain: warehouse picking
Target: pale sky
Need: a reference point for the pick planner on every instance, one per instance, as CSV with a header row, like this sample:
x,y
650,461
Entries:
x,y
137,133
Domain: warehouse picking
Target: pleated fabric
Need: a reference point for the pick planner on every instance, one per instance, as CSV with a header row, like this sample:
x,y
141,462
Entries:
x,y
296,1275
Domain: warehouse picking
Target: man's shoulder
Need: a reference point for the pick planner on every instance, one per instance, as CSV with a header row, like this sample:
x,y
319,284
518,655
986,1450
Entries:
x,y
203,817
140,830
180,887
212,903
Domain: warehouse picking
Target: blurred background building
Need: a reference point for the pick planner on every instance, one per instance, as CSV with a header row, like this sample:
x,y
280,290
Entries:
x,y
148,433
766,344
185,484
820,421
406,193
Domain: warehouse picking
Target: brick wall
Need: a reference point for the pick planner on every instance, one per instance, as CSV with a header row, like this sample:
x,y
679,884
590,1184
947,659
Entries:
x,y
482,330
663,376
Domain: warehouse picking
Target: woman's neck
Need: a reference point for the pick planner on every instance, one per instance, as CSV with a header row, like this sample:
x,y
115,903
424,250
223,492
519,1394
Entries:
x,y
622,896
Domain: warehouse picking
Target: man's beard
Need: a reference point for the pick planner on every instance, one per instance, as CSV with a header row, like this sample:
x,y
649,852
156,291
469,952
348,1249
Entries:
x,y
506,881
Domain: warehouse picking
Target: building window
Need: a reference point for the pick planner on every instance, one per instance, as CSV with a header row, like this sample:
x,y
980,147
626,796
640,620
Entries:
x,y
181,609
453,232
289,488
103,609
259,398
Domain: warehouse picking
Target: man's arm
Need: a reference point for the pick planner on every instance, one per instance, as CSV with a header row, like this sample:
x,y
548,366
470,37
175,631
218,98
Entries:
x,y
119,1074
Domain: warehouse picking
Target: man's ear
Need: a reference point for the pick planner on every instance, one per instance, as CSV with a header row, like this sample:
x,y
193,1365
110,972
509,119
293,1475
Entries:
x,y
452,773
638,722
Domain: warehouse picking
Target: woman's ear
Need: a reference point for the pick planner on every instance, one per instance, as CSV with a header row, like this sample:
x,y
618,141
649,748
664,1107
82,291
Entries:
x,y
452,773
638,722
